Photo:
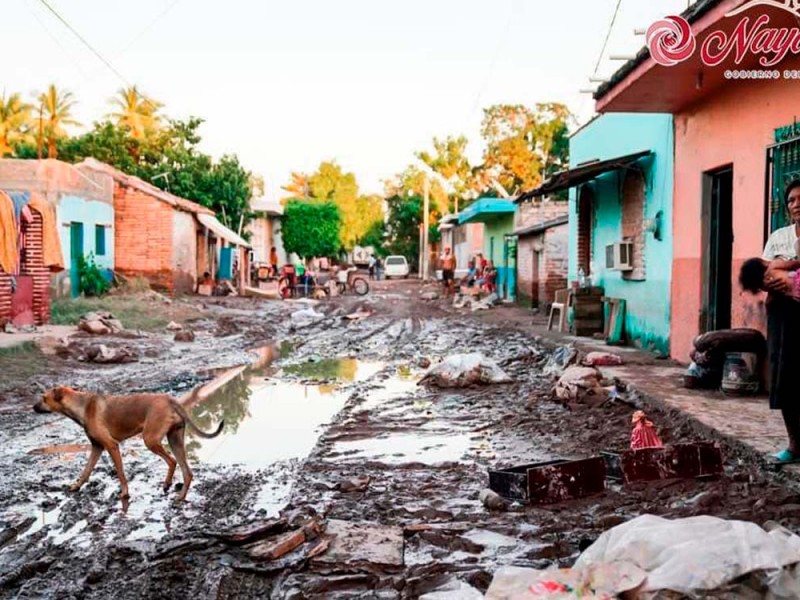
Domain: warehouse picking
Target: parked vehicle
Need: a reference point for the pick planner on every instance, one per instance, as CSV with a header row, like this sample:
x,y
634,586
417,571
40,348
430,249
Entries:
x,y
396,266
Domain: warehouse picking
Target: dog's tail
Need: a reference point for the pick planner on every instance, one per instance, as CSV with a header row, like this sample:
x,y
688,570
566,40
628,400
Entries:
x,y
185,416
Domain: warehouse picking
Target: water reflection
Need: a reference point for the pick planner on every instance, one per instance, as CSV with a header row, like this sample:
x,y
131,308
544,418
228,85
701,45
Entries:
x,y
267,419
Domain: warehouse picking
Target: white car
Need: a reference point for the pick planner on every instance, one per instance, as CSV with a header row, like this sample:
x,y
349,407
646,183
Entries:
x,y
395,266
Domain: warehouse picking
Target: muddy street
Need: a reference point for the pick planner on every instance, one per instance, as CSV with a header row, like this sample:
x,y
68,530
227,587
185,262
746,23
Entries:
x,y
327,432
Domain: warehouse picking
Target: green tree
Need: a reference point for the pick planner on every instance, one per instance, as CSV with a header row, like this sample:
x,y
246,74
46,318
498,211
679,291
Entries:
x,y
56,109
524,145
311,228
169,158
450,161
15,123
136,112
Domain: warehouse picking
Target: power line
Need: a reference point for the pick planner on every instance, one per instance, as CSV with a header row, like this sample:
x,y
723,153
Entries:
x,y
148,27
52,36
85,42
608,36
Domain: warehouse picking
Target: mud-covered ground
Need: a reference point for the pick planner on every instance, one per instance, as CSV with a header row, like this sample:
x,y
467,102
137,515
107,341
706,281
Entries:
x,y
328,428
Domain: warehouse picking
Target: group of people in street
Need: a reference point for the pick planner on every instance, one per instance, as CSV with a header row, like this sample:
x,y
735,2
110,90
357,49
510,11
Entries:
x,y
375,266
480,273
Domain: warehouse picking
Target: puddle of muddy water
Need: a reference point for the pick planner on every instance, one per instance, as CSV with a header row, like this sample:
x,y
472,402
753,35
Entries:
x,y
403,448
268,420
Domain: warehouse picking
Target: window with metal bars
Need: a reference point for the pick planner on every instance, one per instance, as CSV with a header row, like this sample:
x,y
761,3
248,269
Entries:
x,y
783,166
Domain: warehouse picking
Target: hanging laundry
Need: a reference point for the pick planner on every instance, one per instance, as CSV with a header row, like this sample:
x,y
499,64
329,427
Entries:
x,y
8,234
51,242
20,200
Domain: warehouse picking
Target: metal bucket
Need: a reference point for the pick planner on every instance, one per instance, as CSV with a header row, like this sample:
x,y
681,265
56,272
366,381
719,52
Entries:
x,y
740,374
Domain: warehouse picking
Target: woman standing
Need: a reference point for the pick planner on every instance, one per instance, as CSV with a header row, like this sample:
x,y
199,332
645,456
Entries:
x,y
783,328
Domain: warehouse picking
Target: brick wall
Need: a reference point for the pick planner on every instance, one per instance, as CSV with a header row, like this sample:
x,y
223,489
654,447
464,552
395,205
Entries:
x,y
5,298
539,211
632,222
32,266
553,267
585,214
144,233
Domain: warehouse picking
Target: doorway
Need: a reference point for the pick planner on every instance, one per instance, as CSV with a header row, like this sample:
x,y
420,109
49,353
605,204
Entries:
x,y
717,249
75,257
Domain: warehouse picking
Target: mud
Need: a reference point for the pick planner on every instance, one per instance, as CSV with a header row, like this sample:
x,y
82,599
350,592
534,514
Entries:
x,y
331,424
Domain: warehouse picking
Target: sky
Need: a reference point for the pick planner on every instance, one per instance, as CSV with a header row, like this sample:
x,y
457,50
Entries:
x,y
288,84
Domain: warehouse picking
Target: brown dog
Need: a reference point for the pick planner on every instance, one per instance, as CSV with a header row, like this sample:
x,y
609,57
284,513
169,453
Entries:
x,y
108,420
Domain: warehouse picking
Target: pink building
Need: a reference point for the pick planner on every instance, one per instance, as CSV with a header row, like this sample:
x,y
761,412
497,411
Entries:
x,y
735,148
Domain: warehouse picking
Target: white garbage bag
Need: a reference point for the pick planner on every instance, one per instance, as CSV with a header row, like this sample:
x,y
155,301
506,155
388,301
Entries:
x,y
597,581
462,370
693,554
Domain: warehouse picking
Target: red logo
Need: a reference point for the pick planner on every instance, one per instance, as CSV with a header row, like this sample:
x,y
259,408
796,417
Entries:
x,y
671,41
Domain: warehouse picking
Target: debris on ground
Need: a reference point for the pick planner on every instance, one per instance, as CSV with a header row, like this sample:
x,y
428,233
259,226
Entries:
x,y
644,433
224,288
100,323
580,384
363,544
173,326
102,354
697,554
710,350
305,317
430,295
354,484
601,359
492,500
358,315
464,370
454,589
561,358
185,335
602,581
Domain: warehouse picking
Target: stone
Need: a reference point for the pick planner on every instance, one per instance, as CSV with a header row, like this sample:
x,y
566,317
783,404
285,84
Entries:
x,y
94,327
354,484
9,328
173,326
429,295
363,544
492,500
184,336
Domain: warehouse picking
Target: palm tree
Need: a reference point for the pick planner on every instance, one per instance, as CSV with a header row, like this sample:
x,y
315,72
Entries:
x,y
136,111
15,122
56,108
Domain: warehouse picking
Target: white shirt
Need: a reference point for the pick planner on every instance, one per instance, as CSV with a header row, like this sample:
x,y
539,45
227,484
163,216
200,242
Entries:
x,y
782,244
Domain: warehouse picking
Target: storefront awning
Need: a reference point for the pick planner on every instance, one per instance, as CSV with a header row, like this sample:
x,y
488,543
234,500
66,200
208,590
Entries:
x,y
582,174
485,209
211,223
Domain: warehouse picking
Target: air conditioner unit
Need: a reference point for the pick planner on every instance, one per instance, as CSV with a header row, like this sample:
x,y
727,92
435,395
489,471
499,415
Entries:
x,y
619,256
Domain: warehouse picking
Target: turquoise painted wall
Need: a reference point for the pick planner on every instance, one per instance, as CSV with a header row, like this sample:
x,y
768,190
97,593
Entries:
x,y
493,243
73,209
617,134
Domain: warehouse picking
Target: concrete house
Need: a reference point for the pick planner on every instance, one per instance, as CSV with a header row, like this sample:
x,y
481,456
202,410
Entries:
x,y
465,241
168,240
265,230
542,251
84,211
499,243
736,145
620,217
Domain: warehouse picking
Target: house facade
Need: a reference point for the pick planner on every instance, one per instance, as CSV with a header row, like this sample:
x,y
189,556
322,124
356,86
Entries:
x,y
620,218
84,212
736,146
166,239
465,241
265,231
542,250
499,243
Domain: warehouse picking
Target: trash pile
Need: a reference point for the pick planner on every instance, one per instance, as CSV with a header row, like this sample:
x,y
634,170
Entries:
x,y
474,303
100,323
650,554
102,354
710,351
464,370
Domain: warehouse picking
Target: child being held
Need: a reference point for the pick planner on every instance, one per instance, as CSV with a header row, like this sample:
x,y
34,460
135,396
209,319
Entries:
x,y
753,274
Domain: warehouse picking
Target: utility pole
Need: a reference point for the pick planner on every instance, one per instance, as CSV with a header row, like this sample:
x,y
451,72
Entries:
x,y
425,225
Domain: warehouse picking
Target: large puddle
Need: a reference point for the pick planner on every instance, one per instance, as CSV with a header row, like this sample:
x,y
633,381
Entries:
x,y
268,416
